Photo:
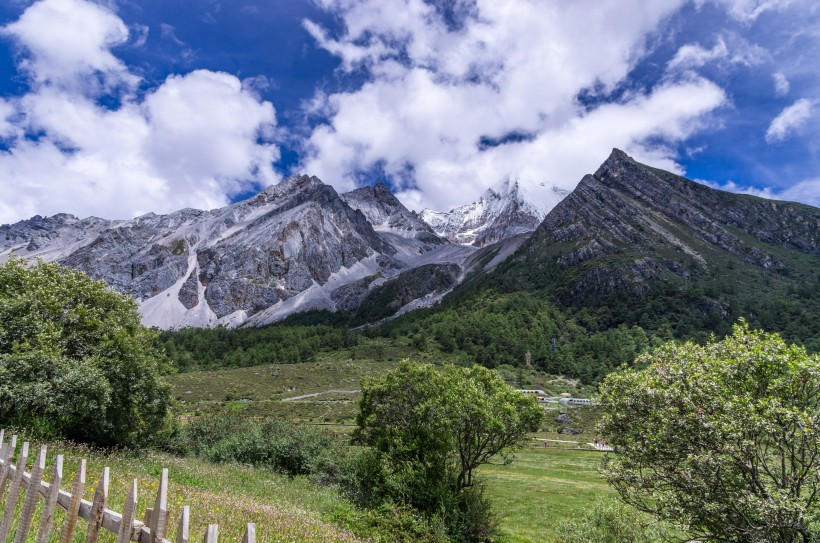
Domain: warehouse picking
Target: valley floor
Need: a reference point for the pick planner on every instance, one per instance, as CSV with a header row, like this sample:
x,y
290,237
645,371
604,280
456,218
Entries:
x,y
532,495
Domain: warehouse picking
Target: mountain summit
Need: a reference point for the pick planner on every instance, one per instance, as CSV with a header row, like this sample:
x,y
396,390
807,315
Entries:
x,y
645,246
293,247
506,209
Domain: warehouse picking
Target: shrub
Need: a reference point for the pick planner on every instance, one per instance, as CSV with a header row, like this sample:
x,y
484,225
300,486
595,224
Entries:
x,y
613,522
723,439
292,449
429,430
75,362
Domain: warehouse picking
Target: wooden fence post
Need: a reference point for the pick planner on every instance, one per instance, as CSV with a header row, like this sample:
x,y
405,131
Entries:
x,y
184,525
159,515
47,518
73,511
128,514
14,491
212,533
250,533
95,517
6,457
32,493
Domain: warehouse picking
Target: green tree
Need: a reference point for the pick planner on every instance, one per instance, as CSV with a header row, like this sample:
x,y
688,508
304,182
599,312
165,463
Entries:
x,y
74,360
431,428
722,439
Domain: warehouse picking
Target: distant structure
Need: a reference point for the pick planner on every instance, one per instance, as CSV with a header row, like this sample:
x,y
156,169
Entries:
x,y
564,399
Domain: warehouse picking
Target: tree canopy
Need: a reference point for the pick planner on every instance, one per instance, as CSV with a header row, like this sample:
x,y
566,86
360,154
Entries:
x,y
75,361
723,439
432,427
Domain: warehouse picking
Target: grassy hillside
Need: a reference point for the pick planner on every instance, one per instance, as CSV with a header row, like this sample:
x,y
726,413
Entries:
x,y
283,509
259,391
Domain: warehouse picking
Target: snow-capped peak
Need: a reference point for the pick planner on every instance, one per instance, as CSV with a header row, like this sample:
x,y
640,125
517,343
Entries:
x,y
506,209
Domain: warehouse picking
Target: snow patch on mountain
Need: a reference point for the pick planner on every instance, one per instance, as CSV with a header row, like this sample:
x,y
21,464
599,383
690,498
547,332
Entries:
x,y
505,210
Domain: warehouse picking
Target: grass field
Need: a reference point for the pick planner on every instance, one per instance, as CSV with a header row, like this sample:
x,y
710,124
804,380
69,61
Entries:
x,y
259,391
532,495
541,488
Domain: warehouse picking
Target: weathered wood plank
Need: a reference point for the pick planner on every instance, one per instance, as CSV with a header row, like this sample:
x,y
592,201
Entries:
x,y
250,534
33,492
211,534
14,492
47,517
159,515
95,516
6,456
71,503
128,514
184,527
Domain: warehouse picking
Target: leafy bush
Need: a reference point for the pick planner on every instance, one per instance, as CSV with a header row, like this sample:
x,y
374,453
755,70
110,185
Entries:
x,y
722,438
277,445
75,361
612,522
391,523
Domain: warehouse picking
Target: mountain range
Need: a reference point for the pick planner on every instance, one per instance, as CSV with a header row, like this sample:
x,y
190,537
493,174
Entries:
x,y
627,237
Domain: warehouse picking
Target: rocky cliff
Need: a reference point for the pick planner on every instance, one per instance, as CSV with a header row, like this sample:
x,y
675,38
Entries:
x,y
293,247
644,243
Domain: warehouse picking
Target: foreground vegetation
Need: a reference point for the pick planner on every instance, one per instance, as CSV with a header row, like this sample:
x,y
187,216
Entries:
x,y
719,439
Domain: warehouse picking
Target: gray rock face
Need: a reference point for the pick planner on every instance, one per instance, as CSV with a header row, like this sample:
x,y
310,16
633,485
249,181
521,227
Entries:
x,y
563,418
297,244
387,299
630,226
49,237
392,220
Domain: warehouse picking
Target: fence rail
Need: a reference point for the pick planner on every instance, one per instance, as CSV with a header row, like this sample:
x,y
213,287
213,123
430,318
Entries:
x,y
17,486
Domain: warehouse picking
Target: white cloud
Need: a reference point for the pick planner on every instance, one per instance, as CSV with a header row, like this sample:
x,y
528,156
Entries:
x,y
70,40
781,84
509,67
789,120
748,11
729,50
807,191
188,143
694,56
7,129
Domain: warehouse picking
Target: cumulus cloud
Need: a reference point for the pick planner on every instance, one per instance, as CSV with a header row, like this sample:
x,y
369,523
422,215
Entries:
x,y
456,101
190,142
789,120
68,41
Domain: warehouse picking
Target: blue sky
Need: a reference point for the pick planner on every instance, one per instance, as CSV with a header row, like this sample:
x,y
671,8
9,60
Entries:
x,y
116,108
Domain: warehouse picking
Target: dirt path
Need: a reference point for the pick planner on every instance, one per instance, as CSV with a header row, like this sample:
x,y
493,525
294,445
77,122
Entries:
x,y
303,396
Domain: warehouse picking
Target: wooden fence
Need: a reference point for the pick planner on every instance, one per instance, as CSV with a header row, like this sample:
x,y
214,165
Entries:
x,y
28,488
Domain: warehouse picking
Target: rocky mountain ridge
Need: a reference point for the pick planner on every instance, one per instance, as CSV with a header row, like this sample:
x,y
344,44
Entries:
x,y
626,231
643,244
293,247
